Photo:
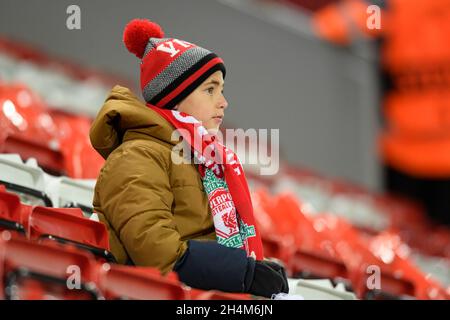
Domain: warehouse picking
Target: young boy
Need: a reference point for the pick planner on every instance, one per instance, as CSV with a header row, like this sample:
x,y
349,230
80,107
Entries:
x,y
193,218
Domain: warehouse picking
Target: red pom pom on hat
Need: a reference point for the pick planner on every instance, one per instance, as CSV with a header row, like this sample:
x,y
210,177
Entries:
x,y
137,33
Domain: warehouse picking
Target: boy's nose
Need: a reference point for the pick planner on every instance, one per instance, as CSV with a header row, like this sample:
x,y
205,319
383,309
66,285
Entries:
x,y
223,103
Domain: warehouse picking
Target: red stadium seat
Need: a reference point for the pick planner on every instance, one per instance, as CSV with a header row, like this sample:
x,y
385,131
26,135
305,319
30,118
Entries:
x,y
23,133
57,224
32,271
139,283
11,217
306,252
58,140
314,256
80,158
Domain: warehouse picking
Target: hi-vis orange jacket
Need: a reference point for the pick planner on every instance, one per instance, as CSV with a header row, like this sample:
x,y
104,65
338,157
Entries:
x,y
416,53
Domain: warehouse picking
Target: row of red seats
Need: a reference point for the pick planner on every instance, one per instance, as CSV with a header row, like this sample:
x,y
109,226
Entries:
x,y
40,245
326,246
408,219
33,271
42,224
322,246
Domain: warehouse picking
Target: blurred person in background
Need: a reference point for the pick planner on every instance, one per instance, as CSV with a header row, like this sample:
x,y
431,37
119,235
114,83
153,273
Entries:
x,y
192,218
416,141
415,64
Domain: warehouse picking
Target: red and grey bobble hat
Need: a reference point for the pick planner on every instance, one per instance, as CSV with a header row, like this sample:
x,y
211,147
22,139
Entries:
x,y
170,68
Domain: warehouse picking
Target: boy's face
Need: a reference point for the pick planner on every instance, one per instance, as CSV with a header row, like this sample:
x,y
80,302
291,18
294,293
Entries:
x,y
207,103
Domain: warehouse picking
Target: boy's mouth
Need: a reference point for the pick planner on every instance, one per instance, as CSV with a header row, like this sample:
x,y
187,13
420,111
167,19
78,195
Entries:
x,y
218,118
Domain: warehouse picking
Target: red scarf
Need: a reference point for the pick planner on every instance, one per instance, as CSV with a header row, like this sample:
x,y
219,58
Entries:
x,y
227,189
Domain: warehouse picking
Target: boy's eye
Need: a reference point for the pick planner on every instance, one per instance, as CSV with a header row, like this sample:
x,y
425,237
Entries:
x,y
210,90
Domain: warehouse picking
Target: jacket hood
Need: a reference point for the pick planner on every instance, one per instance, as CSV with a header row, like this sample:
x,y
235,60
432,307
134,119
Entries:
x,y
124,117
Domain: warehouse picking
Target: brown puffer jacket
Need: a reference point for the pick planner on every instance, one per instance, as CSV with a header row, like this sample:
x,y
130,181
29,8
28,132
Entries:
x,y
150,205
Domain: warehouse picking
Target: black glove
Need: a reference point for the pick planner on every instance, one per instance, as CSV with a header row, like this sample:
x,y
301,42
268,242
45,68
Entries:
x,y
268,280
280,269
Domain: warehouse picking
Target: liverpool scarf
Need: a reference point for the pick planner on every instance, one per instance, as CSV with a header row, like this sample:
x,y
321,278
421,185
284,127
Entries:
x,y
224,182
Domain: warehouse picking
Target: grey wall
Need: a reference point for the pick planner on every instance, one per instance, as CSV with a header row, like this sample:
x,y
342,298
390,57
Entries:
x,y
323,99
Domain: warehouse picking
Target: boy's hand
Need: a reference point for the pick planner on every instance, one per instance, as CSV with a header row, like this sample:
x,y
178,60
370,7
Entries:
x,y
280,269
268,280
